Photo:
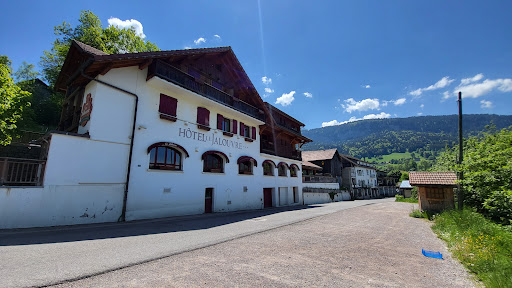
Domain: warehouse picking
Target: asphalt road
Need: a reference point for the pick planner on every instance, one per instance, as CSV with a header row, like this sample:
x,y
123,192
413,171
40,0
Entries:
x,y
46,256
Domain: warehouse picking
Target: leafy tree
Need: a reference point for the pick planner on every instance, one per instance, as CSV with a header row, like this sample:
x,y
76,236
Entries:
x,y
6,61
395,173
405,176
91,32
26,72
424,165
12,102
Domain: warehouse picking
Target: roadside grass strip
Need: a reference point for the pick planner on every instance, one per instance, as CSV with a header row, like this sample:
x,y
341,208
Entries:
x,y
483,247
400,198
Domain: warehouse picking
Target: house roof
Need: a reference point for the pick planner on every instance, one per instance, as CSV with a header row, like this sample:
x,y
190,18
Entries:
x,y
311,165
405,184
432,178
318,155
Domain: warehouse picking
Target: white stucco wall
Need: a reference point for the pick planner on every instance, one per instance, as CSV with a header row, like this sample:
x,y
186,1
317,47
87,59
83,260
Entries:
x,y
320,198
84,183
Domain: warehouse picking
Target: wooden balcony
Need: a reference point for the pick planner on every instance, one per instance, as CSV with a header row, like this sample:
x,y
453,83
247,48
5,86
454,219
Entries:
x,y
21,172
267,147
180,78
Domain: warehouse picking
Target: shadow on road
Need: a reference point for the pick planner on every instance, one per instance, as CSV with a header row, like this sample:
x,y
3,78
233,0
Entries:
x,y
134,228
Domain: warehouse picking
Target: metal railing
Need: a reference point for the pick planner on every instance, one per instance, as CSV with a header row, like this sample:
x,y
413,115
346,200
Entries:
x,y
21,172
176,76
318,179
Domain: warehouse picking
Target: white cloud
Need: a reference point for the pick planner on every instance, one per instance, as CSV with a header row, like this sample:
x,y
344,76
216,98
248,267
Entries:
x,y
286,99
486,104
400,101
363,105
445,81
268,90
381,115
308,95
199,41
217,37
422,105
476,78
476,90
367,86
187,47
419,113
127,24
266,80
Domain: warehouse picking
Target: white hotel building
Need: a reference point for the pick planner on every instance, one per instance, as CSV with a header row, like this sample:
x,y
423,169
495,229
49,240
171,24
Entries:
x,y
158,134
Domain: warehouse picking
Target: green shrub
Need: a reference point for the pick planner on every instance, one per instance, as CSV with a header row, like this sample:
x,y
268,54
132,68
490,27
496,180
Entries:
x,y
400,198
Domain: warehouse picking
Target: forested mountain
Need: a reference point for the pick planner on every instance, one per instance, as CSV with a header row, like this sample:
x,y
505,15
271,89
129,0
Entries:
x,y
369,138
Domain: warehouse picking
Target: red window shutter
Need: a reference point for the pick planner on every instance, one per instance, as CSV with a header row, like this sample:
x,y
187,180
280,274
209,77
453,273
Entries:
x,y
203,116
168,105
235,126
242,128
220,120
254,133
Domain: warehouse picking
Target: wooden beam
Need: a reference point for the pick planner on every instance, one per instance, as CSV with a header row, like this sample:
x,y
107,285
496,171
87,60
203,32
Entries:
x,y
106,68
145,64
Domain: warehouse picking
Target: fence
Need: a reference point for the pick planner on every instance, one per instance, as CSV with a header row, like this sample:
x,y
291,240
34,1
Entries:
x,y
21,172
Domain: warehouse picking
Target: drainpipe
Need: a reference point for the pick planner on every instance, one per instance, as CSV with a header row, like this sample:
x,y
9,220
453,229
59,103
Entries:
x,y
122,218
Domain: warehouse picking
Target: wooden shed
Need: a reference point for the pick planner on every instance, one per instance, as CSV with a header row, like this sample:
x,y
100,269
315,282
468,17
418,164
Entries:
x,y
435,189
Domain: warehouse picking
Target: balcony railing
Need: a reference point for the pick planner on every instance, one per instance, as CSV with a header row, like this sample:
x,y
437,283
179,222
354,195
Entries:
x,y
178,77
21,172
318,179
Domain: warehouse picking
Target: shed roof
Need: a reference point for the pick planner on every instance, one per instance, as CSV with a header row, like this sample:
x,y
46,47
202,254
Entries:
x,y
432,178
405,184
318,155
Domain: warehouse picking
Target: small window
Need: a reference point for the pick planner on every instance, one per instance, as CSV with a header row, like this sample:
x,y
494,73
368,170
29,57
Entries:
x,y
226,125
281,170
164,158
167,107
203,118
293,172
245,167
268,169
213,163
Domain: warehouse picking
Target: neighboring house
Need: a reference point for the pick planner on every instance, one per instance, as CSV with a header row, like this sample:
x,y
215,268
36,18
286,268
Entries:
x,y
359,176
405,189
329,160
157,134
435,189
386,183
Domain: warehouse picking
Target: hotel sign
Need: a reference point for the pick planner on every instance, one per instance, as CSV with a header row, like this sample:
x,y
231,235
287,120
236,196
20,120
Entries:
x,y
211,138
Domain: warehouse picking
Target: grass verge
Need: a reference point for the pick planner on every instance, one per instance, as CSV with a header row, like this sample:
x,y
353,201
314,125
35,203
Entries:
x,y
485,248
400,198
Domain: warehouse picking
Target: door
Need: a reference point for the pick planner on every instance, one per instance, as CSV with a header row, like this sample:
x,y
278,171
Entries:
x,y
295,194
208,200
267,197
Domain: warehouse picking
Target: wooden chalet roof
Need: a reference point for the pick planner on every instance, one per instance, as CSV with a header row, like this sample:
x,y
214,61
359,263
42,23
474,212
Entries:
x,y
94,62
275,109
432,178
318,155
310,165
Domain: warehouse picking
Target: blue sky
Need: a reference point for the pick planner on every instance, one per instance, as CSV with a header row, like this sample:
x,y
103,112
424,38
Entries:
x,y
323,62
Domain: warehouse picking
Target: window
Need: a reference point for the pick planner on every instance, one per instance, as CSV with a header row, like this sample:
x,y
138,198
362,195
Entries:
x,y
245,167
228,126
167,107
213,163
247,131
203,118
435,193
281,170
268,168
293,172
164,158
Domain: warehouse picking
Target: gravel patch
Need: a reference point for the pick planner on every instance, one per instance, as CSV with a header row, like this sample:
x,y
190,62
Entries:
x,y
370,246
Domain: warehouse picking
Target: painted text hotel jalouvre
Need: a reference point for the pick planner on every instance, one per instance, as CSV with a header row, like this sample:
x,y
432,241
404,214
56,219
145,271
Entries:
x,y
165,133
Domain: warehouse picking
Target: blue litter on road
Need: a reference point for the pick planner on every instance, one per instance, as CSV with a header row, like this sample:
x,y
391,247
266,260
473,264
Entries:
x,y
432,254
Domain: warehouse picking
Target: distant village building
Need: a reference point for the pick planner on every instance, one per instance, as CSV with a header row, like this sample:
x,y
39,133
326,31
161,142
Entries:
x,y
360,177
156,134
405,189
435,189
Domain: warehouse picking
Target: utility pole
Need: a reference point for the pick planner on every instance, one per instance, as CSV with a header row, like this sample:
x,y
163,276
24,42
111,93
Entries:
x,y
460,194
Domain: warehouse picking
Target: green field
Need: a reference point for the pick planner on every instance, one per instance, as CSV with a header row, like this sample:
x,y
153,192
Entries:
x,y
395,156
